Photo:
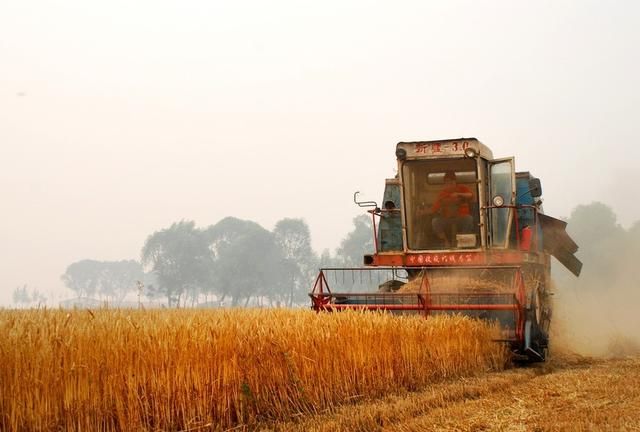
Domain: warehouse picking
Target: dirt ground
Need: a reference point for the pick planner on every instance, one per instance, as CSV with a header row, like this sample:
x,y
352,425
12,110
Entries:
x,y
568,393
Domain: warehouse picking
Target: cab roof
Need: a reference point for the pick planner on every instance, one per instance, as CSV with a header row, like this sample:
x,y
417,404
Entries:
x,y
443,148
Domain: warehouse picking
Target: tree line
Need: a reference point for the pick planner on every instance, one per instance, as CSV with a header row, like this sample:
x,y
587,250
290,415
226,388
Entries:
x,y
234,262
238,262
607,250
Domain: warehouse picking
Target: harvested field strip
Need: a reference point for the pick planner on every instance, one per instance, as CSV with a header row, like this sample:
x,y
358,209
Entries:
x,y
566,394
179,369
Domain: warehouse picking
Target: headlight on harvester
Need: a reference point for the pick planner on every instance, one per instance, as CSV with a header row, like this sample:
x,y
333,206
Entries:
x,y
470,152
498,201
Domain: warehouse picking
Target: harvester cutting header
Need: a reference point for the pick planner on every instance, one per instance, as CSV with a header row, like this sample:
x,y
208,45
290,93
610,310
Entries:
x,y
460,232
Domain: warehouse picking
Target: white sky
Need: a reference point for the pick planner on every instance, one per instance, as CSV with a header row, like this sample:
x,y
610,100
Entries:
x,y
118,118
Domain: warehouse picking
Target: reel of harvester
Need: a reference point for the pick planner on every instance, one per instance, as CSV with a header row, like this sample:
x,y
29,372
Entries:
x,y
492,293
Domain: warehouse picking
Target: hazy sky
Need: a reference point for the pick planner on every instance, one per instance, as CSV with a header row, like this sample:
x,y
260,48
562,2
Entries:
x,y
118,118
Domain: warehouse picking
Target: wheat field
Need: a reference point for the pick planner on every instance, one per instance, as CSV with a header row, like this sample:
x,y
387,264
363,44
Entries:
x,y
174,370
569,393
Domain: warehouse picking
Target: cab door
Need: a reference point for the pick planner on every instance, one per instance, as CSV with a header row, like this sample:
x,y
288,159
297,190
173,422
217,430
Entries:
x,y
502,187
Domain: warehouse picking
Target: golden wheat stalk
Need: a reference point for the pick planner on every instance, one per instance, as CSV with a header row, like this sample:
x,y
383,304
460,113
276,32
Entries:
x,y
181,369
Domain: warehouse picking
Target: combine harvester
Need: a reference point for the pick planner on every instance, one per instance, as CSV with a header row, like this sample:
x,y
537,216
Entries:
x,y
458,232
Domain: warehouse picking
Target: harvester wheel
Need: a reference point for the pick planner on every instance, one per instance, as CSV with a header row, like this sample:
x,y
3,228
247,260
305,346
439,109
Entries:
x,y
536,305
536,339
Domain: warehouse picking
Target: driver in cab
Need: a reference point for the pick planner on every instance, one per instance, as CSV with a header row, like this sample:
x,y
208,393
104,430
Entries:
x,y
451,209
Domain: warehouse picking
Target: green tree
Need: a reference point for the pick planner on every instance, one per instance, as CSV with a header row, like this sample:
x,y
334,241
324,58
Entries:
x,y
83,277
181,259
326,260
106,279
248,261
601,242
21,295
594,223
37,297
357,243
300,262
118,278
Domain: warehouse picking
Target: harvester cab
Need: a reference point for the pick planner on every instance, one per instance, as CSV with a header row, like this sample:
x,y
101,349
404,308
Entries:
x,y
458,232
